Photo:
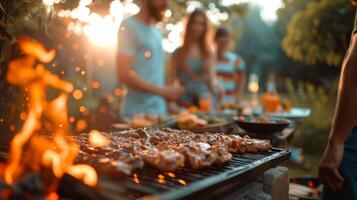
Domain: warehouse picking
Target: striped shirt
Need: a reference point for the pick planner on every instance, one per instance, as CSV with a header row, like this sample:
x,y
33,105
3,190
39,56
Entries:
x,y
228,74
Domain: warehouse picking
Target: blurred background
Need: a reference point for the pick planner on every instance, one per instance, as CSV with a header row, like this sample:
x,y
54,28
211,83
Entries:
x,y
299,42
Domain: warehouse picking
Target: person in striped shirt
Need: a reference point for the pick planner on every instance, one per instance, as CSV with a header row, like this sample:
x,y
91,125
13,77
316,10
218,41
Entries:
x,y
230,67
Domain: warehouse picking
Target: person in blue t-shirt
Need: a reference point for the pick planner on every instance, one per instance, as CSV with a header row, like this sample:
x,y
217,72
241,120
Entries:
x,y
338,165
140,61
230,67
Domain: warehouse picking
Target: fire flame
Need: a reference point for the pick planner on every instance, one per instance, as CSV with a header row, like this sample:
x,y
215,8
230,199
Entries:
x,y
58,154
96,139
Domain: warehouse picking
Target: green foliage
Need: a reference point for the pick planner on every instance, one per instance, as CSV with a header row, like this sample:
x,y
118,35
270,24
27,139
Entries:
x,y
319,32
315,128
258,44
16,18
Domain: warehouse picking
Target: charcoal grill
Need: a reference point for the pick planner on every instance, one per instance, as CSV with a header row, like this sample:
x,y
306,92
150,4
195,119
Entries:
x,y
212,182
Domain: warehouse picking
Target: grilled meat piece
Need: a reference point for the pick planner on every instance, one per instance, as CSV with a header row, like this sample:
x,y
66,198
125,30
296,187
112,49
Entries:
x,y
198,155
254,145
223,154
167,160
246,144
127,163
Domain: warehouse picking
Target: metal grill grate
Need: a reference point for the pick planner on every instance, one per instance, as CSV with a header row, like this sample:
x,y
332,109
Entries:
x,y
187,183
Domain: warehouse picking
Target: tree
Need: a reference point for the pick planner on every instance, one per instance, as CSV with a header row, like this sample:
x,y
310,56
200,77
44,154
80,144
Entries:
x,y
259,45
320,32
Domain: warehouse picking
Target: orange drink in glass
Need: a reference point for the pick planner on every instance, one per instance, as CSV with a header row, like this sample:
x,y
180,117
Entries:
x,y
205,103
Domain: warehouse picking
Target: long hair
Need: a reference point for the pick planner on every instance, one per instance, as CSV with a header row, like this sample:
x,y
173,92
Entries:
x,y
203,42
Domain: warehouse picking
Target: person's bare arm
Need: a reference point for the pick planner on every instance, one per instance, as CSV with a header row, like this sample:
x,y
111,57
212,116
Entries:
x,y
210,72
241,85
128,76
346,109
213,85
172,106
241,79
345,118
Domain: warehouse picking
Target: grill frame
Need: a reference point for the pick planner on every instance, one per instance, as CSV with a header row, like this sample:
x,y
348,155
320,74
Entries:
x,y
215,186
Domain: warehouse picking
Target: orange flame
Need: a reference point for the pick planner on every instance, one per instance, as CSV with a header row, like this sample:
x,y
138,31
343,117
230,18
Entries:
x,y
36,50
35,79
85,173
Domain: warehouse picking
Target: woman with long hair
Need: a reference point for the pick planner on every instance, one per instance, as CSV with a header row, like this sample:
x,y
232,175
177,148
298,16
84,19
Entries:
x,y
193,63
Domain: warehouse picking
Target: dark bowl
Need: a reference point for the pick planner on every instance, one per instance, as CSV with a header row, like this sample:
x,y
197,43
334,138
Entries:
x,y
262,128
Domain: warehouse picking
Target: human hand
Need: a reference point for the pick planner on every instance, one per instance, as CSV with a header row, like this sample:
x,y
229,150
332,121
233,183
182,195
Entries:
x,y
173,108
328,167
219,91
172,92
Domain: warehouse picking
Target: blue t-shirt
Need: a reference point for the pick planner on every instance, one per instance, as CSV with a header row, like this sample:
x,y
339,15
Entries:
x,y
144,42
194,89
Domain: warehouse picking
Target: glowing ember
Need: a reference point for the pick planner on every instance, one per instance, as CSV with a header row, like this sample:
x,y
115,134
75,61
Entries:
x,y
77,94
170,174
71,119
23,116
117,92
12,127
59,153
161,181
81,125
96,139
182,182
95,85
82,109
136,180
